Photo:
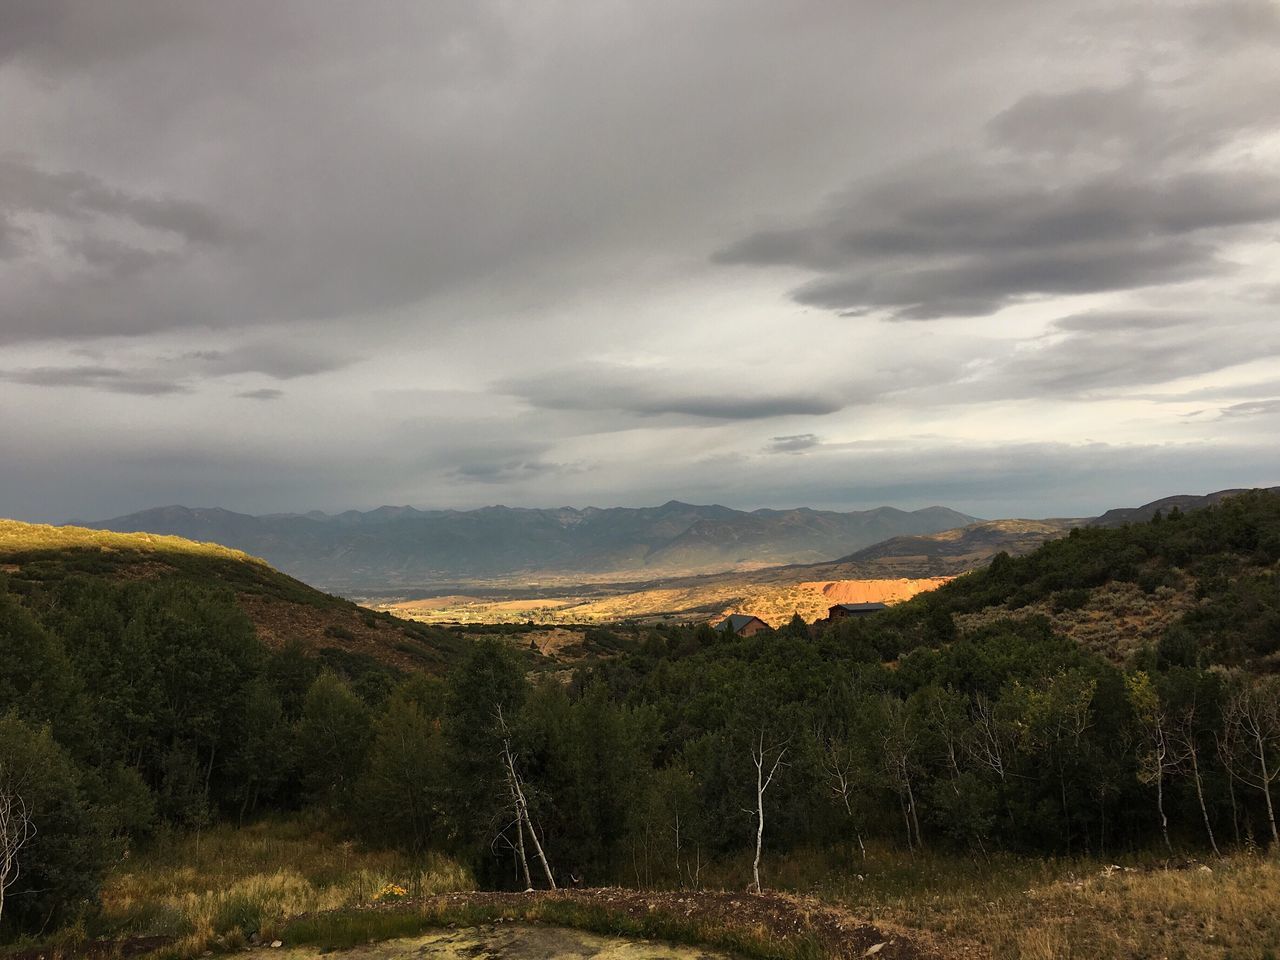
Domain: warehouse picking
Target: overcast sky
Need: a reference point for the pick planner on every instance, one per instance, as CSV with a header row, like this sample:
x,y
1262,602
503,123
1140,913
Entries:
x,y
1022,259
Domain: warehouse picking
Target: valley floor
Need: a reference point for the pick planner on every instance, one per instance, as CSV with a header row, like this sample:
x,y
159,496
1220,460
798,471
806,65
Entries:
x,y
678,601
294,881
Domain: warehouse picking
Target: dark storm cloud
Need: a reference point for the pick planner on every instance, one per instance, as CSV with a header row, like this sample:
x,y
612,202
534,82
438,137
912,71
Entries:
x,y
940,241
1092,190
654,394
110,379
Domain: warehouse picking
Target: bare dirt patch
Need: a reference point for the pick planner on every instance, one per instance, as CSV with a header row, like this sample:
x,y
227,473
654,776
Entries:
x,y
780,918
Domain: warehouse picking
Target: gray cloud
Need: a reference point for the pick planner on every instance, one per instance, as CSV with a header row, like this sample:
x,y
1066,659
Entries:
x,y
796,443
1251,408
265,393
940,241
655,394
77,196
1098,354
110,379
1087,190
281,360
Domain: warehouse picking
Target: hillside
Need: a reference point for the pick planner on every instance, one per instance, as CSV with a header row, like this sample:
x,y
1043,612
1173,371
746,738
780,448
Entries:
x,y
402,547
1201,586
35,559
1184,502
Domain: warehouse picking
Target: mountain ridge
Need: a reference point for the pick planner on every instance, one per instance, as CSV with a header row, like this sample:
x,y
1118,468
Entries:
x,y
404,545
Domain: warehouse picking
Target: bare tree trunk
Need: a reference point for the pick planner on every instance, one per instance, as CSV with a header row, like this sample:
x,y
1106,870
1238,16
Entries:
x,y
906,818
762,784
1267,777
1193,753
915,819
1164,821
524,860
16,829
522,804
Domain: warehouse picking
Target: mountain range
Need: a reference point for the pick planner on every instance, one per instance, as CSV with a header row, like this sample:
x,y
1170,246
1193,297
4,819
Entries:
x,y
403,546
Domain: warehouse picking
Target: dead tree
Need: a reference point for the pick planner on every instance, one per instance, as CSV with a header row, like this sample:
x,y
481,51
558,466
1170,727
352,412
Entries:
x,y
763,756
1253,723
16,831
1185,735
898,756
515,786
838,765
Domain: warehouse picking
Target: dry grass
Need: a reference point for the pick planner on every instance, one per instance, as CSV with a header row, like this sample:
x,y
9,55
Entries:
x,y
1018,909
20,538
229,884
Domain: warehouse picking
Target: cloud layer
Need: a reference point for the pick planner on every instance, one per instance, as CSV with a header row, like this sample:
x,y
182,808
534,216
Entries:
x,y
316,254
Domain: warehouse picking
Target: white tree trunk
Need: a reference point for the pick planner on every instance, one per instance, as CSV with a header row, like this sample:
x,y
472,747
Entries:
x,y
762,784
16,829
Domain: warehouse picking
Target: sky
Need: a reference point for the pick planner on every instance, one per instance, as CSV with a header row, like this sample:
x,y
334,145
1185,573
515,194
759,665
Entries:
x,y
1020,259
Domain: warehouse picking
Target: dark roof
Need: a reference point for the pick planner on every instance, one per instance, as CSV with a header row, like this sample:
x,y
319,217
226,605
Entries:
x,y
736,621
861,607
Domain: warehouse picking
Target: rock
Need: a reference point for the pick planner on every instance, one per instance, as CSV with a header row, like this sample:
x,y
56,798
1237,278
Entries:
x,y
277,943
875,948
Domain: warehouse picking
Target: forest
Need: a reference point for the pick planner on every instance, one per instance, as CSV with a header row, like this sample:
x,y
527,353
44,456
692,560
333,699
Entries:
x,y
133,709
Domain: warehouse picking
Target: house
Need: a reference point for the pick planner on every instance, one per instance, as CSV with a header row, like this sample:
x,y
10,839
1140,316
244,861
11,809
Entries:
x,y
743,624
842,610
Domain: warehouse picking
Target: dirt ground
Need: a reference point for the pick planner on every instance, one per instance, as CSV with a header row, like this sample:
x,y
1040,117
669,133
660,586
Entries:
x,y
779,916
511,941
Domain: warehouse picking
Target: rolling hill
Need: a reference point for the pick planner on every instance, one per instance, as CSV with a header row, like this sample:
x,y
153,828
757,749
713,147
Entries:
x,y
35,558
1184,502
394,547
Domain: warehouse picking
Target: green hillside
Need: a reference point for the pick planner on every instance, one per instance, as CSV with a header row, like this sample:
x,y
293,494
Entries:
x,y
36,558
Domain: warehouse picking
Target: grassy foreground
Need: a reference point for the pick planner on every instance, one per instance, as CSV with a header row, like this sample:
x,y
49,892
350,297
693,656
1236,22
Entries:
x,y
220,889
1054,909
295,881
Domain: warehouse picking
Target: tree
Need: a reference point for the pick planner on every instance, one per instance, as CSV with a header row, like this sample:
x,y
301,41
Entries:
x,y
16,830
400,796
63,861
333,740
1158,758
1196,694
763,756
488,679
843,769
520,805
1253,729
898,755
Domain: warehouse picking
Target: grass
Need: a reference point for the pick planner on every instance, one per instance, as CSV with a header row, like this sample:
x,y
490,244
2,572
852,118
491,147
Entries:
x,y
297,881
18,538
1028,909
218,890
